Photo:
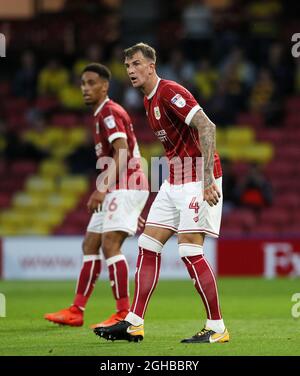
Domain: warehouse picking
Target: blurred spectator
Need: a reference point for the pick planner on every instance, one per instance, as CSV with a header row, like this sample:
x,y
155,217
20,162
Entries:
x,y
297,77
83,160
205,79
222,107
24,84
70,95
240,69
116,64
178,69
198,28
255,191
229,184
133,100
93,54
16,147
262,91
119,76
52,78
263,23
279,68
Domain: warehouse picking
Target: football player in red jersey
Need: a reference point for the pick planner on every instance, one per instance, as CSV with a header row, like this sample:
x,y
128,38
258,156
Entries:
x,y
122,191
189,203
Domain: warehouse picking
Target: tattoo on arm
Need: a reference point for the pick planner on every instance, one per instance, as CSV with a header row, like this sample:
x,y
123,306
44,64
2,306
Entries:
x,y
207,140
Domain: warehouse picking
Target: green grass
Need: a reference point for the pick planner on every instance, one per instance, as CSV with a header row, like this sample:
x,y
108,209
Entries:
x,y
257,313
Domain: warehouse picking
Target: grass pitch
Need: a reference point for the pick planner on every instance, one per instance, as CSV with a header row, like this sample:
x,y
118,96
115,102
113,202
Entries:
x,y
257,313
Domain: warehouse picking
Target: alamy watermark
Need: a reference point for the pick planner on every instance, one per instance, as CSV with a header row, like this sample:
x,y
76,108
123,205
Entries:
x,y
2,305
296,46
2,45
128,173
295,311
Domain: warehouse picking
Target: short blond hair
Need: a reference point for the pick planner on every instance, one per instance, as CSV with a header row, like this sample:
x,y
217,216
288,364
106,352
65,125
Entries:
x,y
147,51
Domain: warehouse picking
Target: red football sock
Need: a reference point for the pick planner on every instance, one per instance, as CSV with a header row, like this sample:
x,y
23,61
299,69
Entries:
x,y
88,275
119,280
205,283
146,277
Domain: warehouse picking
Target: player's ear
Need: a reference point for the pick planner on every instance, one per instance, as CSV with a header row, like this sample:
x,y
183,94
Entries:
x,y
105,85
152,68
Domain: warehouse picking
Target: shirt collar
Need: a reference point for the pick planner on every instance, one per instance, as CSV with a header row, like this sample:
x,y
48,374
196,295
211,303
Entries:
x,y
101,106
154,90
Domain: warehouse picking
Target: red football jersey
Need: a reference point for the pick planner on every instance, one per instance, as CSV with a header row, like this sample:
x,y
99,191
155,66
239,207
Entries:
x,y
170,108
111,122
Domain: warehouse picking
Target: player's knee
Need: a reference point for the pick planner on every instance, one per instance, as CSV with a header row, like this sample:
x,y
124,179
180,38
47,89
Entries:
x,y
89,247
149,243
110,245
188,249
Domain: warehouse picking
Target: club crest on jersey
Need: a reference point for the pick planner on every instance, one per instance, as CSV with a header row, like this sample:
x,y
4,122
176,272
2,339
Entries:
x,y
156,113
178,100
110,122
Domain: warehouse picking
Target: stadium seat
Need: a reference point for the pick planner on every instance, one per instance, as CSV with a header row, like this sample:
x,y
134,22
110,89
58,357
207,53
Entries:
x,y
52,168
239,136
39,184
23,168
66,120
62,202
292,104
264,229
49,217
13,218
231,230
292,200
292,121
75,184
241,218
275,216
78,218
46,103
76,136
5,199
27,201
259,153
8,230
250,119
55,136
35,230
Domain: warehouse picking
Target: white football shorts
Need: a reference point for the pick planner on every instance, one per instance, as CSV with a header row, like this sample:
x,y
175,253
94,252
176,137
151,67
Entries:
x,y
181,208
120,211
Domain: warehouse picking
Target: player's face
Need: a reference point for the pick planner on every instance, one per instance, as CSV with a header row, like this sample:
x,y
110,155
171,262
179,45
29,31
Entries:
x,y
139,69
93,88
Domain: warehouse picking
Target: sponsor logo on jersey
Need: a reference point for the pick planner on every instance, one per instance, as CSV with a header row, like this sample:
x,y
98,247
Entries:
x,y
156,113
178,100
161,135
110,122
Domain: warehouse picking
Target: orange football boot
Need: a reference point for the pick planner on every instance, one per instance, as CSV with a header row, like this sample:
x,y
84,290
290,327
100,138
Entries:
x,y
72,316
113,319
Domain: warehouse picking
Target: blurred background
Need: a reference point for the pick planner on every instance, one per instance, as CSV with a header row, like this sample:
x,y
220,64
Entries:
x,y
234,56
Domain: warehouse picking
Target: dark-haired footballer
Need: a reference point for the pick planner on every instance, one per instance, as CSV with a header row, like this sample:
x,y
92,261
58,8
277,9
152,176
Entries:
x,y
116,204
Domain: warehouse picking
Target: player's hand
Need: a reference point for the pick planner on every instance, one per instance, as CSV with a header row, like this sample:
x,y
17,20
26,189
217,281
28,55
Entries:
x,y
95,201
141,223
212,194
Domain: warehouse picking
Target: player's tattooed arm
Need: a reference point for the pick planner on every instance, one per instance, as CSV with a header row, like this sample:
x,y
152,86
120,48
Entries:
x,y
207,139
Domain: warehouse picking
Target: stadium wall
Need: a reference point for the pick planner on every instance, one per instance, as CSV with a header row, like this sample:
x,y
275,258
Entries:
x,y
59,258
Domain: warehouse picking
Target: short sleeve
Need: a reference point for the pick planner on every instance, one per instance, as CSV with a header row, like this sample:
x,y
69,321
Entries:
x,y
180,101
114,126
